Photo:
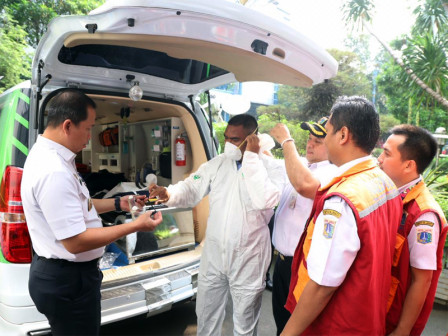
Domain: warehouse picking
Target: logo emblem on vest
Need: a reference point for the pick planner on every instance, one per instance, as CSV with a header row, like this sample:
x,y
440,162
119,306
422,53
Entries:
x,y
424,236
329,224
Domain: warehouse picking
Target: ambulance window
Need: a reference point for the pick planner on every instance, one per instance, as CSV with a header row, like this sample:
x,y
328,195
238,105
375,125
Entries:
x,y
149,62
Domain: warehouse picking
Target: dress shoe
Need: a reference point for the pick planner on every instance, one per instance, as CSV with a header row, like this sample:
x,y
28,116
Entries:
x,y
269,284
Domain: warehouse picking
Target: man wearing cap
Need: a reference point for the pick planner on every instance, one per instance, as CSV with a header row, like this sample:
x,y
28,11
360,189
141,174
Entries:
x,y
294,209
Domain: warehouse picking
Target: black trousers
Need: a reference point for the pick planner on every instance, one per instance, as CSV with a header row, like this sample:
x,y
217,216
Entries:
x,y
281,280
68,294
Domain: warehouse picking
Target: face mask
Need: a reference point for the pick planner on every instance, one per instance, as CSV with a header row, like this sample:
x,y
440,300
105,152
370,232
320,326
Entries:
x,y
266,142
232,152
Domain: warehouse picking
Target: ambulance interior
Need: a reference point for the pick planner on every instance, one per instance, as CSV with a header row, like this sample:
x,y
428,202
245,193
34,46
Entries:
x,y
134,144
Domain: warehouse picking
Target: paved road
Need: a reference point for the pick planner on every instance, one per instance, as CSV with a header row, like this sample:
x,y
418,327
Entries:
x,y
181,321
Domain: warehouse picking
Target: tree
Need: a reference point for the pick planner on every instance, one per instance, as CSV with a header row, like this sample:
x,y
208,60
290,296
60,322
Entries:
x,y
267,121
404,104
36,14
276,112
431,17
387,121
357,12
312,103
15,63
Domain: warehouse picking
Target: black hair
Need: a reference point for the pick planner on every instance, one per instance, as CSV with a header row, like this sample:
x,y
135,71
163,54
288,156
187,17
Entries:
x,y
419,145
360,117
248,122
68,104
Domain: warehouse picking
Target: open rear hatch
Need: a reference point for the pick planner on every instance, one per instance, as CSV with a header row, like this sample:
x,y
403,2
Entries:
x,y
178,48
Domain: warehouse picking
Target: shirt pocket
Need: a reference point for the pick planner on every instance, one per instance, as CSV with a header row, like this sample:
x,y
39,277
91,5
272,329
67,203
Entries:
x,y
86,201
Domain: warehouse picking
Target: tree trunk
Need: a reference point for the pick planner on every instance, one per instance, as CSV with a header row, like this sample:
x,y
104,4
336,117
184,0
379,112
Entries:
x,y
442,100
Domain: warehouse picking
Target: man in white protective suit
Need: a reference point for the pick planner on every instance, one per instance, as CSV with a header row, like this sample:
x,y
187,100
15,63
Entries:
x,y
242,193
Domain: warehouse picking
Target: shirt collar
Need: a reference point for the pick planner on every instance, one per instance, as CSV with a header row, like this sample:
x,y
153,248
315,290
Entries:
x,y
346,166
410,184
316,165
63,151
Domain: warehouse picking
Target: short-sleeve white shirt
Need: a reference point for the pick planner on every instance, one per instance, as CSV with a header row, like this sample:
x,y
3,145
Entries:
x,y
335,241
423,238
56,201
294,209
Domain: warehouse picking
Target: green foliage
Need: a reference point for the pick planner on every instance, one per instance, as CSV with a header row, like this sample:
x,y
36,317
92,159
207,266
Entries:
x,y
355,11
22,24
387,121
350,80
424,52
426,56
267,122
431,17
405,100
319,100
15,63
203,98
359,45
377,152
302,104
436,180
276,112
219,129
35,15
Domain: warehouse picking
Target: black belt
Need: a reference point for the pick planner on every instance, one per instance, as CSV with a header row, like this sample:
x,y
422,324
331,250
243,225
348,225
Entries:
x,y
283,257
69,263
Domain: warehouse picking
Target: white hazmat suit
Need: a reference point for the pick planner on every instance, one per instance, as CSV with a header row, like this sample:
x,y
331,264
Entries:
x,y
237,247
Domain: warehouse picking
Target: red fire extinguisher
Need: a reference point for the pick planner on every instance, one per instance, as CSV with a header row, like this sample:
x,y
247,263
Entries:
x,y
180,151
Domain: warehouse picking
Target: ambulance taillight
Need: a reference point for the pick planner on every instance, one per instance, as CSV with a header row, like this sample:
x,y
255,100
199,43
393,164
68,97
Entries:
x,y
14,236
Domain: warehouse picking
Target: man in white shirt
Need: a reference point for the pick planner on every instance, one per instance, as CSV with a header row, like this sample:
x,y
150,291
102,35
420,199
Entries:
x,y
338,282
294,209
66,232
407,153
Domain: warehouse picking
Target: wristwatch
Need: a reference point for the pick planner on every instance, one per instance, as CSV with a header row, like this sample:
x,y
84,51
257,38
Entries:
x,y
117,204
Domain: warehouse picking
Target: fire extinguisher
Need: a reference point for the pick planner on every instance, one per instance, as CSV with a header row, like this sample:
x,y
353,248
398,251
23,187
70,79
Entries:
x,y
180,151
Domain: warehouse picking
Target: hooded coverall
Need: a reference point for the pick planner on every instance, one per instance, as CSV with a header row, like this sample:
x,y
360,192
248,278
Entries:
x,y
237,248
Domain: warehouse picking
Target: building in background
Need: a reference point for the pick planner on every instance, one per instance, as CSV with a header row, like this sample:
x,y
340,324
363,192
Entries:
x,y
237,98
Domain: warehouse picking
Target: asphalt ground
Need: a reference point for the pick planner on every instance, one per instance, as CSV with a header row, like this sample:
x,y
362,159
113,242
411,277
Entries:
x,y
181,321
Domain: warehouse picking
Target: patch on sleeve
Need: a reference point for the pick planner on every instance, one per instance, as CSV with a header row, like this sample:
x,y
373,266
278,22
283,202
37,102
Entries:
x,y
331,212
423,222
424,235
329,225
196,177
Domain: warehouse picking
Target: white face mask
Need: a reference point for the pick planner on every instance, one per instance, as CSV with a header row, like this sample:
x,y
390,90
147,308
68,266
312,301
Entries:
x,y
266,142
232,152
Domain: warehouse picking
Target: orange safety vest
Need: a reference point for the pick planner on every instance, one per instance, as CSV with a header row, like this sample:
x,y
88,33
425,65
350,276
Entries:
x,y
417,202
358,306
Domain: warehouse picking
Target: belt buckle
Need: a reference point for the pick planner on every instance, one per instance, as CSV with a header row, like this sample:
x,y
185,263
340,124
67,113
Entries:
x,y
282,257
